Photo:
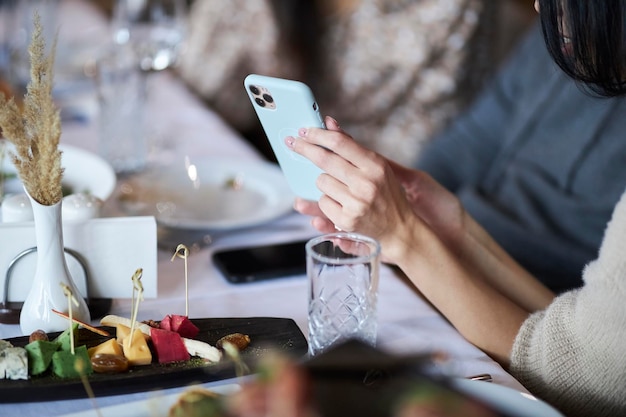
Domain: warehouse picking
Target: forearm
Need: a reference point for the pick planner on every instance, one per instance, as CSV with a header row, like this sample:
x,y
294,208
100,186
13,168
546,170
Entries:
x,y
476,309
481,314
500,270
469,242
475,289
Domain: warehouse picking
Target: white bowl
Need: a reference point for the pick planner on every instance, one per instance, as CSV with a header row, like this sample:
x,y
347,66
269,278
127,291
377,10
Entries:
x,y
85,172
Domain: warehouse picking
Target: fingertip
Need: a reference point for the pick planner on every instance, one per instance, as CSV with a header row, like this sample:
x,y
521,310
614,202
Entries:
x,y
297,204
332,124
322,225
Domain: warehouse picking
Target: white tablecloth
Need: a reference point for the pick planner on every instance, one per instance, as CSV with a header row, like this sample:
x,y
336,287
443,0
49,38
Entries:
x,y
406,322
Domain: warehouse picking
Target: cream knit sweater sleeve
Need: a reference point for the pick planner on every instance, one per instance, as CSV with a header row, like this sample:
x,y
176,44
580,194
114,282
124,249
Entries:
x,y
573,354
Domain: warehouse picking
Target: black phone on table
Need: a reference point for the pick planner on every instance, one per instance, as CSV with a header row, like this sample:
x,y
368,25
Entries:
x,y
262,262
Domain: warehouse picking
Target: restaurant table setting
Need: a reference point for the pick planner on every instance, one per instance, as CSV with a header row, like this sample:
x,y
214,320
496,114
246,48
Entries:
x,y
204,187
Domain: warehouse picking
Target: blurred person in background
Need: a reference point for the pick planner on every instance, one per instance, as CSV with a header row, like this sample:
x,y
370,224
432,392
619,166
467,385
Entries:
x,y
395,72
538,162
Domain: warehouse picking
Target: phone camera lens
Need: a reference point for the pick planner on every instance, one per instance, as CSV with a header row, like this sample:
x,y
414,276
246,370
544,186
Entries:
x,y
260,102
255,90
315,106
268,98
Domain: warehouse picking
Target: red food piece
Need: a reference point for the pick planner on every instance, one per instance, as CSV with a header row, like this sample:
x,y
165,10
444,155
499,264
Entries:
x,y
169,346
181,325
184,327
166,323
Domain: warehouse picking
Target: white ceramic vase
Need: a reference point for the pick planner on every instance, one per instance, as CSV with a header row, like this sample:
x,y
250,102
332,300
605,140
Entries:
x,y
46,292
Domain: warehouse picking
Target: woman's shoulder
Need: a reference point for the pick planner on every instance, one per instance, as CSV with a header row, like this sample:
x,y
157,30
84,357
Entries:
x,y
611,262
571,353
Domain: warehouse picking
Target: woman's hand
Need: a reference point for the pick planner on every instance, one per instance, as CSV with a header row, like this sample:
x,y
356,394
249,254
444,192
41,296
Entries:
x,y
367,193
360,190
312,208
433,204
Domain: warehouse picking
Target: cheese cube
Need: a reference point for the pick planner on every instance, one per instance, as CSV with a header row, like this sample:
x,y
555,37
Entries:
x,y
111,346
137,352
13,363
122,333
66,365
40,355
65,338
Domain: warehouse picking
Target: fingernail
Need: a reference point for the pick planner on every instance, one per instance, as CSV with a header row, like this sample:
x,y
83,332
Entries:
x,y
289,140
302,132
334,121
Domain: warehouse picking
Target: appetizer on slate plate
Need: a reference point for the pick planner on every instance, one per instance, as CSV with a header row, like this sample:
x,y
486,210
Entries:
x,y
13,361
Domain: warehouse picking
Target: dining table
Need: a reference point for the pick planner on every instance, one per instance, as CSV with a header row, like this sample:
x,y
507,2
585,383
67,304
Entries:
x,y
184,126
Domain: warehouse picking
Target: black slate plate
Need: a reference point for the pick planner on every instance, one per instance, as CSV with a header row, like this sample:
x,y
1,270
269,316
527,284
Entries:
x,y
266,333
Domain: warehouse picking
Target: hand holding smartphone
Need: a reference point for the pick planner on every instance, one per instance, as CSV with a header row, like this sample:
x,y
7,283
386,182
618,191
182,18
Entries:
x,y
284,106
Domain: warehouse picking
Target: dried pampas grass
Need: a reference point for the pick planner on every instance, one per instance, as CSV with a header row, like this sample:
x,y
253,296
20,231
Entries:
x,y
35,127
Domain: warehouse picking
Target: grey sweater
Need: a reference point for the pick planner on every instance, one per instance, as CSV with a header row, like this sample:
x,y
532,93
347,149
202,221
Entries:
x,y
573,353
539,163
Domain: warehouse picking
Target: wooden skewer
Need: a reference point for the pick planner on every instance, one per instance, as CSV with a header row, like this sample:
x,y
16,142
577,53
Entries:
x,y
185,254
89,327
71,300
138,289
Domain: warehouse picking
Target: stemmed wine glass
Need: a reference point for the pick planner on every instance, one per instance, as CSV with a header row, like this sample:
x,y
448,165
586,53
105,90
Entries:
x,y
155,29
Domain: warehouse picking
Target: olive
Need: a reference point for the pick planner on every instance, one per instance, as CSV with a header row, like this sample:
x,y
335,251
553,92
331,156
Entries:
x,y
38,335
239,340
108,363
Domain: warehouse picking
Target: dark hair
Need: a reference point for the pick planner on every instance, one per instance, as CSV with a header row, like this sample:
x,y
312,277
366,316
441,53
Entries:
x,y
597,53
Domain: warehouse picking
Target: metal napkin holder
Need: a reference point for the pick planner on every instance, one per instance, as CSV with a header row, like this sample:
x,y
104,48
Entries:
x,y
10,311
106,251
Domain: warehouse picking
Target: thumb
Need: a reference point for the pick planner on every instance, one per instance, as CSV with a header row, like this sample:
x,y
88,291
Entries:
x,y
332,124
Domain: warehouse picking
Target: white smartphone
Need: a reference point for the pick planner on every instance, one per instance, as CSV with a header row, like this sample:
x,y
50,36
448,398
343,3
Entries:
x,y
284,106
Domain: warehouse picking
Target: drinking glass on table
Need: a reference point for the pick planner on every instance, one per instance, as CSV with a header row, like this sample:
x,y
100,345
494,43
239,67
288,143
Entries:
x,y
16,29
121,99
343,270
154,28
155,31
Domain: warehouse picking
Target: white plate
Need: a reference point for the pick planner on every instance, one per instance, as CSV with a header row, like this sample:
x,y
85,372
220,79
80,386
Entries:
x,y
506,399
199,194
84,172
156,406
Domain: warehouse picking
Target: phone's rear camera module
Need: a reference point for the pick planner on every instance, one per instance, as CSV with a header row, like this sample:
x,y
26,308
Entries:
x,y
261,95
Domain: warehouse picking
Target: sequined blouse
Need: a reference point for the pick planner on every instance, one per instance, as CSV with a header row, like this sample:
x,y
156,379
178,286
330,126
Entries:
x,y
396,71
